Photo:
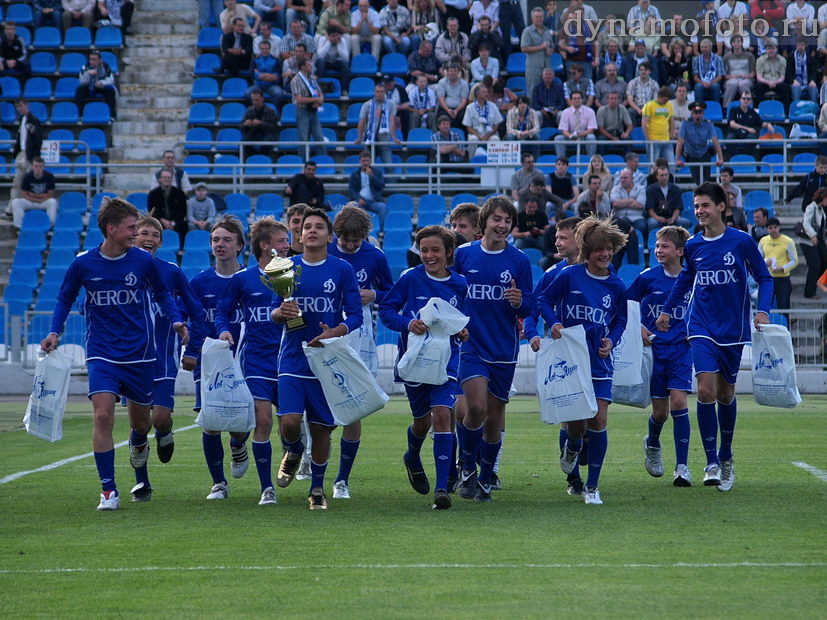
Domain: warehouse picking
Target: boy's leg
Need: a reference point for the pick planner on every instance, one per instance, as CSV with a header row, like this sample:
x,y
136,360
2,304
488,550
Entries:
x,y
103,446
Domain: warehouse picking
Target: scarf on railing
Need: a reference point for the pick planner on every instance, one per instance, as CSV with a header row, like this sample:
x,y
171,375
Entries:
x,y
383,121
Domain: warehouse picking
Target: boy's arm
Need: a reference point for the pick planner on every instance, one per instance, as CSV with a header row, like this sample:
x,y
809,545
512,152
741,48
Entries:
x,y
618,324
392,304
227,305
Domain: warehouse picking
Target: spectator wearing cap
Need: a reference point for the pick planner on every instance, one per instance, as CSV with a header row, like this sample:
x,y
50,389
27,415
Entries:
x,y
200,209
770,74
693,143
636,59
781,257
707,73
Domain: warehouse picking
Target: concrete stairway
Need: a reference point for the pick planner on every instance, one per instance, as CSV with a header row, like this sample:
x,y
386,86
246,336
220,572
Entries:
x,y
154,87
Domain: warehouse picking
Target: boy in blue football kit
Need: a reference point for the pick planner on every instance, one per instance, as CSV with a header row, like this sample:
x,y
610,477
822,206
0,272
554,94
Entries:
x,y
671,358
430,404
591,295
226,242
120,346
167,350
717,262
327,294
499,293
257,350
373,276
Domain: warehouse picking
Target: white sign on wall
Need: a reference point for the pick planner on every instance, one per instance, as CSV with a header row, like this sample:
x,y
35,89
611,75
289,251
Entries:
x,y
50,151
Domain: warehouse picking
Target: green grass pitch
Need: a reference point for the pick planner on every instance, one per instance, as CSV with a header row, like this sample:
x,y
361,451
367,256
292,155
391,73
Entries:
x,y
652,550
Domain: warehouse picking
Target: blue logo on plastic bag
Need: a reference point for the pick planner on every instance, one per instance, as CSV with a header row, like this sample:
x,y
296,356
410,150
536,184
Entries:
x,y
559,370
767,361
40,390
225,380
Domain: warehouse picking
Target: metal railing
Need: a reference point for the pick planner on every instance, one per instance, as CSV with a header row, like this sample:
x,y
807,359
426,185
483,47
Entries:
x,y
86,185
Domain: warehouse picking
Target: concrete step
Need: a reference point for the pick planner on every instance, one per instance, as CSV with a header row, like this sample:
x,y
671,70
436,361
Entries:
x,y
144,139
147,54
129,152
166,6
187,25
173,74
130,128
152,114
128,182
172,41
159,102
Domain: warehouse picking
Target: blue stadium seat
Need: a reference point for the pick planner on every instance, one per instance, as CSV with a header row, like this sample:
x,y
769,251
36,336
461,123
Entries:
x,y
463,197
431,218
803,112
27,258
196,165
808,137
96,113
171,240
398,238
353,113
205,64
336,200
398,220
32,239
431,202
69,220
60,259
804,163
65,88
209,38
38,108
93,238
771,111
772,164
9,87
25,277
400,203
37,88
412,167
743,164
757,198
198,134
288,165
43,63
139,199
18,294
394,64
227,139
46,37
168,255
557,64
288,115
20,14
72,201
258,166
204,88
361,87
363,64
517,84
77,37
197,240
324,164
421,139
199,259
64,113
110,59
714,112
71,64
234,88
533,254
84,163
7,113
335,85
108,38
202,113
226,165
628,273
63,167
53,277
516,64
772,143
35,220
350,163
97,199
231,114
270,204
95,138
238,203
329,115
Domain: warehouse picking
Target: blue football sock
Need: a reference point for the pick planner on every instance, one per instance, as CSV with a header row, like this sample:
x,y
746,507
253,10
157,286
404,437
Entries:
x,y
296,447
214,455
680,424
142,475
655,428
574,445
263,455
708,426
596,448
488,456
726,418
414,445
105,462
161,434
237,443
452,466
442,458
317,474
347,455
471,447
136,438
460,432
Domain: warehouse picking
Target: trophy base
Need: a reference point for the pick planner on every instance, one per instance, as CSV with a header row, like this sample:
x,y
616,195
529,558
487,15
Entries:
x,y
295,323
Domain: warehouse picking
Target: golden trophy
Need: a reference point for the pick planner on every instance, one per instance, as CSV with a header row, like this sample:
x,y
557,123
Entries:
x,y
282,276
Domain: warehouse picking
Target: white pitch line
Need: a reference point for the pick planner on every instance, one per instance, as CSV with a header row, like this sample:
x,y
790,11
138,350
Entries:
x,y
71,459
140,569
818,473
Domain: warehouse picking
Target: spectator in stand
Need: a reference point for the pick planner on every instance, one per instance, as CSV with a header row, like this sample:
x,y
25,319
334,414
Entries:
x,y
502,96
639,92
378,123
577,82
652,177
814,241
597,167
486,35
781,257
663,203
79,13
235,10
552,20
258,124
116,13
96,81
745,124
396,28
365,188
306,188
12,52
511,16
308,98
523,124
628,200
613,56
693,143
200,209
37,191
810,183
458,9
524,175
638,58
707,73
632,160
179,176
265,33
335,17
46,13
425,23
168,204
727,175
266,75
423,104
236,50
822,126
291,41
676,65
290,67
531,226
613,124
657,122
537,44
639,14
615,29
771,11
578,43
333,57
303,11
739,71
707,19
547,201
548,98
423,62
399,97
484,65
803,13
271,12
366,27
770,73
452,94
562,184
452,46
734,215
26,147
484,8
578,124
680,105
446,147
594,200
481,120
651,37
760,217
803,69
611,83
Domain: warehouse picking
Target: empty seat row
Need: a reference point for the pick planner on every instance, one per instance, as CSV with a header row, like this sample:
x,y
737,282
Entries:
x,y
46,63
76,37
61,113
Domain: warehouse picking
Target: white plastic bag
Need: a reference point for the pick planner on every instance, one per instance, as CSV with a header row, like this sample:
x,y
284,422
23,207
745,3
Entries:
x,y
563,377
350,390
426,359
47,403
773,368
628,353
363,342
226,402
636,395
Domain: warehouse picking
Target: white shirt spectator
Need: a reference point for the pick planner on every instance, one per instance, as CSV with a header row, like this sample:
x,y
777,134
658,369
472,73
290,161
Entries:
x,y
477,10
275,43
807,12
478,71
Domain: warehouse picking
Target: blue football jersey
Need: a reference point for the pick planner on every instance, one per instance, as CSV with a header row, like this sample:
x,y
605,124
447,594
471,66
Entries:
x,y
407,297
209,287
716,272
598,303
118,306
370,265
531,322
326,293
494,329
652,288
258,345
